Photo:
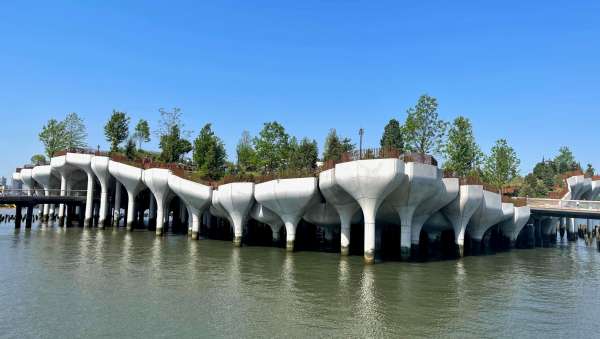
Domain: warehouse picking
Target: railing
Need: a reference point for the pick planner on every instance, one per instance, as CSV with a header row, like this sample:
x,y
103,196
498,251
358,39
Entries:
x,y
380,153
81,151
564,204
517,201
42,192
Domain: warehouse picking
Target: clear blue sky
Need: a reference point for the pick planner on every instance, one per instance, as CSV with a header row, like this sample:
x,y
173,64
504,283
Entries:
x,y
525,71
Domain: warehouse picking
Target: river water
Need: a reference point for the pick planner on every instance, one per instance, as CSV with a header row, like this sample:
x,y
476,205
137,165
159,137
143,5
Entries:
x,y
90,283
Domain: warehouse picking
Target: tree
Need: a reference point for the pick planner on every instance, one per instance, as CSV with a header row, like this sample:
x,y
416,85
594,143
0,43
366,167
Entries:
x,y
502,165
209,154
75,131
38,159
590,171
116,129
53,136
246,156
142,132
271,145
173,147
565,161
303,155
130,151
336,146
392,136
424,131
462,152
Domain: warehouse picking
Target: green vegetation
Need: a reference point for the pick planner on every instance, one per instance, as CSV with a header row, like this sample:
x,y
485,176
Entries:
x,y
75,131
142,132
423,130
209,154
59,135
393,136
173,146
463,156
116,129
502,165
335,146
38,159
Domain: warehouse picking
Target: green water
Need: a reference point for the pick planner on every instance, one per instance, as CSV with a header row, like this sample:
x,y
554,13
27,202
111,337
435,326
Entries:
x,y
58,283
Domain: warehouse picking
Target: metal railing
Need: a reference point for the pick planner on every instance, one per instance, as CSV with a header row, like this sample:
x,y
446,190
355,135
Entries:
x,y
564,204
42,193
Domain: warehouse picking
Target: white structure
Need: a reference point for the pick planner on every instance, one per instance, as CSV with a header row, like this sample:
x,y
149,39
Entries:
x,y
44,176
99,165
487,215
236,200
266,216
421,184
288,198
343,202
369,182
84,163
195,196
511,227
131,178
157,180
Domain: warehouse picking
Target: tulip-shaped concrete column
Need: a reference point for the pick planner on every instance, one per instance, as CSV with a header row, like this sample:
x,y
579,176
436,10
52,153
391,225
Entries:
x,y
511,227
157,180
100,168
447,191
549,226
422,182
369,182
216,209
28,182
324,215
84,163
196,197
236,199
45,177
289,198
487,215
266,216
117,211
60,165
460,210
131,178
343,202
595,195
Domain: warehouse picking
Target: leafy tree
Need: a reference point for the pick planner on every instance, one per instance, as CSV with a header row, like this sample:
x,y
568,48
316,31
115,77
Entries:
x,y
209,154
303,155
173,147
502,165
130,151
38,159
116,129
142,132
392,136
168,119
336,146
590,171
462,152
565,161
75,131
246,156
424,131
53,136
272,146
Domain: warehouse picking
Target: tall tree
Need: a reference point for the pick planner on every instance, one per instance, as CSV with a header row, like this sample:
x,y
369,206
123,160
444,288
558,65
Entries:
x,y
462,152
142,132
590,171
336,146
565,161
303,155
392,136
116,129
424,131
172,146
130,151
502,165
272,146
75,131
38,159
53,136
209,153
246,156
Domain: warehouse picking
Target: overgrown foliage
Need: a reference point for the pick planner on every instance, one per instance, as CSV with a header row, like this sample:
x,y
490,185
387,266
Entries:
x,y
116,129
424,131
335,146
209,154
463,155
502,165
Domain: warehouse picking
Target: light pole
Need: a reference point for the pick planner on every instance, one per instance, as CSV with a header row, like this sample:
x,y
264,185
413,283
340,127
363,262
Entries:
x,y
361,132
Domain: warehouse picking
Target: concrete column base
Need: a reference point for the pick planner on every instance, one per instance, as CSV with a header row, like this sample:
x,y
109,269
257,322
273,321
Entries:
x,y
414,251
61,221
345,250
369,257
130,226
461,250
190,232
237,241
404,252
87,222
289,245
194,235
159,231
101,223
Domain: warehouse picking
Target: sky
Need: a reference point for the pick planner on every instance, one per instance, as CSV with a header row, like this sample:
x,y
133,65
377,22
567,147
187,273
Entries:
x,y
526,71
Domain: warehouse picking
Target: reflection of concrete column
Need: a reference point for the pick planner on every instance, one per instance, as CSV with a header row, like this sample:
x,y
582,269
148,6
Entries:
x,y
61,207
